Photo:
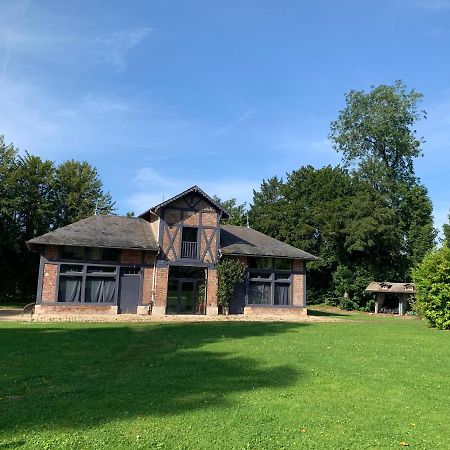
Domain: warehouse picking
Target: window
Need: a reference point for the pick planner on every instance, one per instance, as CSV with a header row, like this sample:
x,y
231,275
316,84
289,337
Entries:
x,y
102,254
269,281
72,253
69,289
260,263
89,253
259,293
282,264
281,294
87,283
100,290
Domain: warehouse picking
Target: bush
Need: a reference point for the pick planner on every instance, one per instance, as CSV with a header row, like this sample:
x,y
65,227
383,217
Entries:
x,y
432,278
229,273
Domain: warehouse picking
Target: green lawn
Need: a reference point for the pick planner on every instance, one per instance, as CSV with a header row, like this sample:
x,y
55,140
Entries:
x,y
372,383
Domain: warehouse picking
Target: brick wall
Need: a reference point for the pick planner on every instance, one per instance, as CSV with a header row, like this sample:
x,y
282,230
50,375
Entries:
x,y
162,278
147,286
212,288
51,252
131,257
49,282
299,284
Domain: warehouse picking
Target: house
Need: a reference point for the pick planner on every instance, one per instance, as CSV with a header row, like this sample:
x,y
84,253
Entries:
x,y
164,262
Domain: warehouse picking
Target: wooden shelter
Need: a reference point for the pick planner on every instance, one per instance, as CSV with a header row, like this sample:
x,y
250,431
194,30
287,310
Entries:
x,y
403,292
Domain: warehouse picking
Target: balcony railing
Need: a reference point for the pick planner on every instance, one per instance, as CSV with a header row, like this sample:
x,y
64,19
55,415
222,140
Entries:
x,y
189,250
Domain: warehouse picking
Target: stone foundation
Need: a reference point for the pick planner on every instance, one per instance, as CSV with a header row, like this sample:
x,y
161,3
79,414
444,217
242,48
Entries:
x,y
143,310
75,309
253,310
159,311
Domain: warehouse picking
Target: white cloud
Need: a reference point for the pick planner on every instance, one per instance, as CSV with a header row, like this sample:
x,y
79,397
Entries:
x,y
114,47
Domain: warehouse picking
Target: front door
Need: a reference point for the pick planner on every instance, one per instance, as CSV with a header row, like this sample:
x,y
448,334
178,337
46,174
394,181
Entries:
x,y
129,290
182,297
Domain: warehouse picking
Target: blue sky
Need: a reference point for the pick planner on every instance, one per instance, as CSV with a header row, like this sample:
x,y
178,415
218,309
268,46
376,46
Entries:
x,y
161,95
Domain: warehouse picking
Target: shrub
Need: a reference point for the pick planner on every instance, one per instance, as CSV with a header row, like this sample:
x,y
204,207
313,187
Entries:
x,y
432,278
229,273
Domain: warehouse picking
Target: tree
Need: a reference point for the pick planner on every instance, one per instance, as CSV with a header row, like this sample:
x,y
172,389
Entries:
x,y
36,197
266,212
432,278
446,230
238,213
375,132
79,192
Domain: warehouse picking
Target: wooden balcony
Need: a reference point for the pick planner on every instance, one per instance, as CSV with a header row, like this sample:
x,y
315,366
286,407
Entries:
x,y
189,250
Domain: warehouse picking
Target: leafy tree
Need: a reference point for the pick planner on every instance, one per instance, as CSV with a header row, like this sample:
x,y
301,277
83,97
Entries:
x,y
432,278
238,213
375,132
229,272
36,197
80,192
447,232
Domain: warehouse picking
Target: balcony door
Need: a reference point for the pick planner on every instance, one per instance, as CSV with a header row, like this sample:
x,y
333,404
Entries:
x,y
189,243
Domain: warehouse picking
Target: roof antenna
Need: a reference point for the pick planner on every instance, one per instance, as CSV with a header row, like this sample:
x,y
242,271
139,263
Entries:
x,y
248,224
96,208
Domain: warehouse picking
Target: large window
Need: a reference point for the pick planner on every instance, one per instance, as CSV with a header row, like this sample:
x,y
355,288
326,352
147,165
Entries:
x,y
87,283
72,253
269,281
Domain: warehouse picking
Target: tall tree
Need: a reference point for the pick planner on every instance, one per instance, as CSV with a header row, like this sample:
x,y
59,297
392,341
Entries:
x,y
376,135
238,212
266,212
375,132
79,192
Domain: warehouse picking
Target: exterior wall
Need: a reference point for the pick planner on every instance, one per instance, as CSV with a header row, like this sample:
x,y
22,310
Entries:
x,y
49,280
133,257
211,293
298,283
160,297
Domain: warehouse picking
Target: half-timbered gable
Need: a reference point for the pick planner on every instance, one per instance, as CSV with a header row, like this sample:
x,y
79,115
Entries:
x,y
189,228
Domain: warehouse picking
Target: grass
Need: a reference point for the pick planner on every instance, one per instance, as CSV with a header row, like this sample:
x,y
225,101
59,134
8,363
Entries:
x,y
372,383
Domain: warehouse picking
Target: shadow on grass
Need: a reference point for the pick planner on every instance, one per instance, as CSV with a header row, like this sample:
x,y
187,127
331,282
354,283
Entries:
x,y
323,313
78,375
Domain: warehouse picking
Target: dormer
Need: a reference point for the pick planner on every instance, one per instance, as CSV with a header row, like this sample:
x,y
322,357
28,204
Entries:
x,y
187,226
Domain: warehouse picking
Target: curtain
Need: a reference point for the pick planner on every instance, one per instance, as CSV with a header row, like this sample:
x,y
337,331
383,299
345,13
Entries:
x,y
259,293
282,294
100,290
69,289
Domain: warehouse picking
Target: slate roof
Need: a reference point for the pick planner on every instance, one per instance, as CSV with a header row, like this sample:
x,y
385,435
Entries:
x,y
235,240
193,189
136,233
103,231
395,288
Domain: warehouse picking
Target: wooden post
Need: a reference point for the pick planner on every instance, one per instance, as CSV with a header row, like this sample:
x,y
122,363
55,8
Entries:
x,y
400,305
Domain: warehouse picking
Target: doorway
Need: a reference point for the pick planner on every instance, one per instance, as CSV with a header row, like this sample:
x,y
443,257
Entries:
x,y
129,290
185,291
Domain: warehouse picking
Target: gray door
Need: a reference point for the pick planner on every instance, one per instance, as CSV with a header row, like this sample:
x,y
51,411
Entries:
x,y
129,291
